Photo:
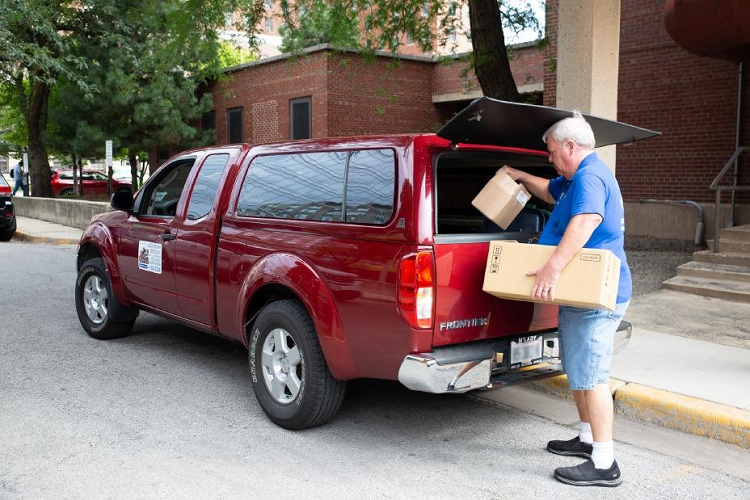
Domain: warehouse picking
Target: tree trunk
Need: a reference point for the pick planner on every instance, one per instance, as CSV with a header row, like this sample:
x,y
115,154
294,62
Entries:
x,y
491,63
35,113
75,173
133,170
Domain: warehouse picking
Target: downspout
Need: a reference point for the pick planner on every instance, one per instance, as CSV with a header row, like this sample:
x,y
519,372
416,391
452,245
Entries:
x,y
736,145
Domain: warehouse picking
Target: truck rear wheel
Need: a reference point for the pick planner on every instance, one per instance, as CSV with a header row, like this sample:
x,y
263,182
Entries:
x,y
95,303
290,377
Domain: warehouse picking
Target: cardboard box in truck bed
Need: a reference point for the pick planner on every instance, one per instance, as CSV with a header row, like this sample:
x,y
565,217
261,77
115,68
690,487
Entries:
x,y
589,280
501,199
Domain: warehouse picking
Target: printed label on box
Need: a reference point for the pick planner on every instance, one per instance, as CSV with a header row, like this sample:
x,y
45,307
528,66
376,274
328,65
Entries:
x,y
522,197
591,257
149,256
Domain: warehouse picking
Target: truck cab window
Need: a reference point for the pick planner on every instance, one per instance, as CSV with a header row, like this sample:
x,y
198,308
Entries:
x,y
164,193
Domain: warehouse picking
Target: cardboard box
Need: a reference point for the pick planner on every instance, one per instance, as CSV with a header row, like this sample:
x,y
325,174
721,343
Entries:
x,y
589,280
501,199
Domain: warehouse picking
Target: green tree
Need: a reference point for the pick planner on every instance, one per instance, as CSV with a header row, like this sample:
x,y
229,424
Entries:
x,y
322,22
43,42
386,22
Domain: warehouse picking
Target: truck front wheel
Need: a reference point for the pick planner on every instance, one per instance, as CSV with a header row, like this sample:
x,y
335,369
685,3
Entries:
x,y
95,303
290,377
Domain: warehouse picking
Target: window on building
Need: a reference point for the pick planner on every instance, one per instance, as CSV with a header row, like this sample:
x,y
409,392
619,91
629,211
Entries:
x,y
269,24
409,39
315,186
206,185
300,118
229,19
268,4
234,126
208,120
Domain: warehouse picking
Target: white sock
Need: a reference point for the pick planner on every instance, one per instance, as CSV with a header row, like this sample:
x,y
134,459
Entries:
x,y
603,454
585,433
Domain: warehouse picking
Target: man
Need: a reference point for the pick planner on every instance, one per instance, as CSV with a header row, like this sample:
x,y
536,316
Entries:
x,y
588,213
21,180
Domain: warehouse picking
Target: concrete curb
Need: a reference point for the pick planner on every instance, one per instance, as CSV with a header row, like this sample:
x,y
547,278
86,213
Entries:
x,y
667,409
23,236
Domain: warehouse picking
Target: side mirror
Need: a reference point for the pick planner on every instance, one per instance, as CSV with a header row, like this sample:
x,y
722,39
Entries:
x,y
122,200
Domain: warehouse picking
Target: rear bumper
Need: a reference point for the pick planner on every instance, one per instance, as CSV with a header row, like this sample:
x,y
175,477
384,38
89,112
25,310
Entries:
x,y
486,364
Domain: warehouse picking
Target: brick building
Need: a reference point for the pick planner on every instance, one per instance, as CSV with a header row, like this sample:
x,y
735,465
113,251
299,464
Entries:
x,y
692,100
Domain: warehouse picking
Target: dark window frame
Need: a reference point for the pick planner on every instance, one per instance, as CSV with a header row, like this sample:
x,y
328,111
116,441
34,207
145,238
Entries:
x,y
300,100
208,120
230,130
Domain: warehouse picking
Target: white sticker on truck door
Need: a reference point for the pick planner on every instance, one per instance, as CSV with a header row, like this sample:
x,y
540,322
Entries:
x,y
149,256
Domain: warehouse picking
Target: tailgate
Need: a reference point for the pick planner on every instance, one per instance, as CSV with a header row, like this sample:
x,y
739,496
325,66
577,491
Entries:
x,y
463,312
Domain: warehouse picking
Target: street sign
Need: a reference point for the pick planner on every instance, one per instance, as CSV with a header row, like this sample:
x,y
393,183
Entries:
x,y
108,146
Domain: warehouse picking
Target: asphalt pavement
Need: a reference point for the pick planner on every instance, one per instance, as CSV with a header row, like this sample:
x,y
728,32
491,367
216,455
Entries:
x,y
687,366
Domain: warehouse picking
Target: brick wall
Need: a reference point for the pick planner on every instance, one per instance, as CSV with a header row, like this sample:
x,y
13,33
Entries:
x,y
692,100
267,89
379,97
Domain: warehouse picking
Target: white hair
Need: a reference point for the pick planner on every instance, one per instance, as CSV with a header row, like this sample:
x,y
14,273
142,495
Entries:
x,y
574,128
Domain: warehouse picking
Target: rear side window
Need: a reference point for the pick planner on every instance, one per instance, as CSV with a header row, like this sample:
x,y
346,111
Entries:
x,y
298,186
369,188
355,186
206,186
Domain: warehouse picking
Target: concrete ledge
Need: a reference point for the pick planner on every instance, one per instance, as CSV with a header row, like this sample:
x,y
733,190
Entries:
x,y
666,409
72,213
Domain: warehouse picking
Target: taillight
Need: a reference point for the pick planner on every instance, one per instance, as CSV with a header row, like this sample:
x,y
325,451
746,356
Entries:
x,y
417,288
4,189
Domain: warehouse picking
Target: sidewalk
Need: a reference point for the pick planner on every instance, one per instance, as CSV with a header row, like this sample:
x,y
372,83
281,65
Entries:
x,y
687,366
40,231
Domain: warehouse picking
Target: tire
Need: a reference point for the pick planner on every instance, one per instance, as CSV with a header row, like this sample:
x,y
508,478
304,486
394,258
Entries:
x,y
66,192
7,233
292,383
95,303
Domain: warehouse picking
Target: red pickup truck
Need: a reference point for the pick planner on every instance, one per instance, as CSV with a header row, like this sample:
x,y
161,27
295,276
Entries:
x,y
335,259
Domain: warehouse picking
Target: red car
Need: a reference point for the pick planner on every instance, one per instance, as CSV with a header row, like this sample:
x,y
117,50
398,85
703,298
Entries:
x,y
93,182
335,259
7,214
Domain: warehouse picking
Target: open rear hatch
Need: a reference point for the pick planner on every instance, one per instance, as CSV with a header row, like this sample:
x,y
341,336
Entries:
x,y
485,136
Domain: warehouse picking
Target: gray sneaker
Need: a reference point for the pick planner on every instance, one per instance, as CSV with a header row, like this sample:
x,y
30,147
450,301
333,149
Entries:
x,y
588,475
572,447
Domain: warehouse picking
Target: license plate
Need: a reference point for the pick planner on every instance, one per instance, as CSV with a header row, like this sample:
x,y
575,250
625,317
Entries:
x,y
525,351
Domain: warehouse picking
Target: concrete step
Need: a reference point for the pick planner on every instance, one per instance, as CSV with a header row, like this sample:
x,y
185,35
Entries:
x,y
739,233
735,291
731,245
714,271
730,258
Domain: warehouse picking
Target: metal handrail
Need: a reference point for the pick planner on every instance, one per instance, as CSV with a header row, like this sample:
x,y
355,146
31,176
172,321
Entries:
x,y
715,186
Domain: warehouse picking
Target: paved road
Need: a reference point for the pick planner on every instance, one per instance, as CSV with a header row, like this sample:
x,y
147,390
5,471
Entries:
x,y
169,413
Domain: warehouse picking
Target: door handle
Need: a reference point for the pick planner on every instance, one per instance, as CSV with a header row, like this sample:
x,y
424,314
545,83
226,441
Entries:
x,y
167,236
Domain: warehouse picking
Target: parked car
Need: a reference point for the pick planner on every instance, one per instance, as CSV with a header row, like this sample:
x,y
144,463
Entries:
x,y
7,213
334,259
93,182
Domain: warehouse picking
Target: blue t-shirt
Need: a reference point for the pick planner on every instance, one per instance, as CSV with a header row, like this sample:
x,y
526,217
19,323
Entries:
x,y
592,190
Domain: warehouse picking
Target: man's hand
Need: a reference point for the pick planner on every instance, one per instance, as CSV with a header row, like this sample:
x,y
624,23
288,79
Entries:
x,y
546,280
512,172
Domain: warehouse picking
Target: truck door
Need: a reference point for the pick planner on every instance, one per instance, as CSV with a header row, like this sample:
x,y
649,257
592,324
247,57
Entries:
x,y
147,249
197,233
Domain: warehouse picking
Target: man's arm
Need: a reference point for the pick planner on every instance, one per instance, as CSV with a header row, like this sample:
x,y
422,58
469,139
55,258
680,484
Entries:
x,y
538,186
579,230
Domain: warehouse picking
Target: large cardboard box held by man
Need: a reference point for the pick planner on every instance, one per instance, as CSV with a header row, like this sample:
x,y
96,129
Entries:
x,y
501,199
589,280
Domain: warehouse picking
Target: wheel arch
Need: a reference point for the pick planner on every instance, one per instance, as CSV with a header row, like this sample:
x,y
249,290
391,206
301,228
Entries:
x,y
286,276
97,241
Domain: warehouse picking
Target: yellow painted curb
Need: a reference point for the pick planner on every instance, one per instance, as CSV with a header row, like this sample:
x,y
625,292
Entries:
x,y
692,415
22,236
558,386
